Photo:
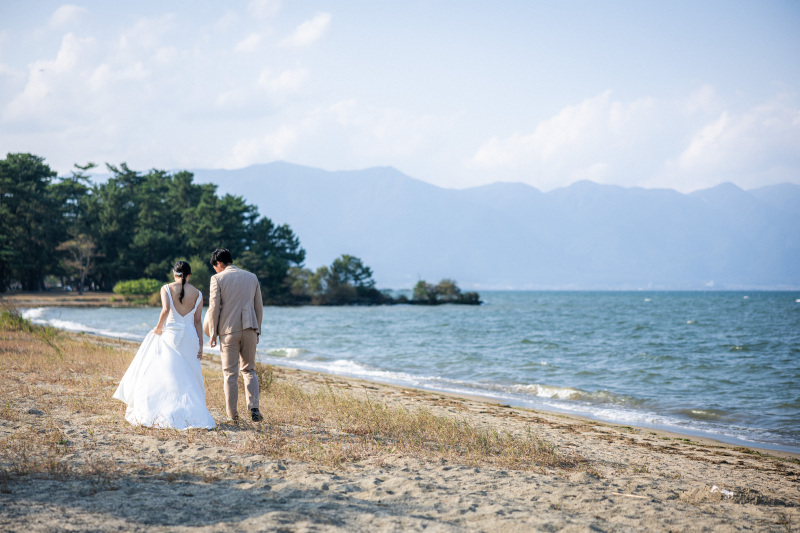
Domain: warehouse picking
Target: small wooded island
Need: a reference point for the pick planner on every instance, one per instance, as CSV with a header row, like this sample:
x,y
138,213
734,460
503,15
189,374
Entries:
x,y
69,233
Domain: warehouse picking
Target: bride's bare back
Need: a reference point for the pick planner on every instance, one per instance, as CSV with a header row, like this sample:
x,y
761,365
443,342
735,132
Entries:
x,y
189,297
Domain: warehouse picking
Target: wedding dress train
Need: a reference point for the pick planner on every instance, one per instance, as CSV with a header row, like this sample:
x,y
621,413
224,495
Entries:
x,y
164,387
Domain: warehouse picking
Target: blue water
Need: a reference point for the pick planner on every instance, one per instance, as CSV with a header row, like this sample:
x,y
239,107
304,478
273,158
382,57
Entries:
x,y
720,364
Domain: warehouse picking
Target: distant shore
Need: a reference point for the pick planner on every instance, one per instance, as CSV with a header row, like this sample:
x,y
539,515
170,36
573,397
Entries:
x,y
109,299
71,299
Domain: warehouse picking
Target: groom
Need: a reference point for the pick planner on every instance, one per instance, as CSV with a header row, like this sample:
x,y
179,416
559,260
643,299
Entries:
x,y
234,314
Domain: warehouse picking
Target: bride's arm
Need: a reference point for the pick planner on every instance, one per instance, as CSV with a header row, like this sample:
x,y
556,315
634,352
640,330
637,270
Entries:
x,y
198,325
162,318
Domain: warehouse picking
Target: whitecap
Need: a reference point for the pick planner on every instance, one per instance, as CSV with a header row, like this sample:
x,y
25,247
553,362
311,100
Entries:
x,y
344,367
288,353
34,315
705,414
37,316
548,391
83,328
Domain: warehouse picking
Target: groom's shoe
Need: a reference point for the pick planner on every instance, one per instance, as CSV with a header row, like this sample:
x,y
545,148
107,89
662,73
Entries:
x,y
256,414
234,420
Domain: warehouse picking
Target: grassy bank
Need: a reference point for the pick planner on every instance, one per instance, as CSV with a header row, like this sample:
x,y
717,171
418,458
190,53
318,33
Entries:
x,y
73,299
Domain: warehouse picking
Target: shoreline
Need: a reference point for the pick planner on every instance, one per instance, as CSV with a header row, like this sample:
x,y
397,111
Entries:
x,y
702,439
70,461
320,375
698,436
25,300
70,299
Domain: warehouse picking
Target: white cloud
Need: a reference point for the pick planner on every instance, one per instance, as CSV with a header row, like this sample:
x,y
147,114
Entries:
x,y
100,78
145,35
308,32
128,64
249,43
226,21
585,141
687,144
166,55
704,150
264,9
704,100
286,82
109,98
758,146
380,135
50,83
170,88
67,15
279,142
267,148
346,134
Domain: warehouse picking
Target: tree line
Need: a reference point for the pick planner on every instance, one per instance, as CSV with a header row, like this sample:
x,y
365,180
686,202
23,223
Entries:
x,y
137,224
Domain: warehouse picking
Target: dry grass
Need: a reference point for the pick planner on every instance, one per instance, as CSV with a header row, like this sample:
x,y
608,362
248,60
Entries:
x,y
332,426
57,418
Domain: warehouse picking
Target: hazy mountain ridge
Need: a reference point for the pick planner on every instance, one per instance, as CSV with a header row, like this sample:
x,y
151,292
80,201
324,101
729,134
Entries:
x,y
511,235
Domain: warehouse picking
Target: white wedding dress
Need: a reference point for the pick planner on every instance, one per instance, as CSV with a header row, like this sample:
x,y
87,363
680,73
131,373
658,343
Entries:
x,y
164,387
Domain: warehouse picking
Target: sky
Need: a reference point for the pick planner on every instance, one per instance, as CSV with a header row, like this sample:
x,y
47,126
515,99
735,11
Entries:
x,y
681,94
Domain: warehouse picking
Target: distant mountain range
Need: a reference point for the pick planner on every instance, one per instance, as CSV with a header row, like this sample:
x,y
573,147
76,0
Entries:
x,y
512,236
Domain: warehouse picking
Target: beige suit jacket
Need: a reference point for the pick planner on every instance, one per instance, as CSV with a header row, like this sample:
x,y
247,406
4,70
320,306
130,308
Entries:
x,y
234,303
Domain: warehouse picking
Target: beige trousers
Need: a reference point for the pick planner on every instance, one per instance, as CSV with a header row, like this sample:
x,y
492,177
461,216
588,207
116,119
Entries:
x,y
238,351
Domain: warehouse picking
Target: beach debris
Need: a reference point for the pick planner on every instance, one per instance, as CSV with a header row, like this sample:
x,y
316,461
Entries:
x,y
636,496
725,493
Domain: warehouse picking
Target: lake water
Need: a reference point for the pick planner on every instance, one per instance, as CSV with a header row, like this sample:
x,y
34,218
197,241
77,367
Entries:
x,y
720,364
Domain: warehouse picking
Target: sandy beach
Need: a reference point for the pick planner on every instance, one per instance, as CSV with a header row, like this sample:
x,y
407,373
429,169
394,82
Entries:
x,y
69,461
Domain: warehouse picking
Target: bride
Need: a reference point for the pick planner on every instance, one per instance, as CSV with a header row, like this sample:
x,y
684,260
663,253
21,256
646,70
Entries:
x,y
164,387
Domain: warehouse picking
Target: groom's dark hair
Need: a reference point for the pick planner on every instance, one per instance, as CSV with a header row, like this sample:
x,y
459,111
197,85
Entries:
x,y
221,255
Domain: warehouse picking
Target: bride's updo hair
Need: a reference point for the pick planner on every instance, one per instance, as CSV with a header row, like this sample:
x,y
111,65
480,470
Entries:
x,y
182,270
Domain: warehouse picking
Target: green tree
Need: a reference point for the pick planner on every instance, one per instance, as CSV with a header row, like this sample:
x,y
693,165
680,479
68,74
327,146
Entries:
x,y
235,222
112,212
79,259
131,226
425,292
140,221
200,226
347,281
350,270
30,221
72,193
318,283
270,252
448,291
299,280
157,232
